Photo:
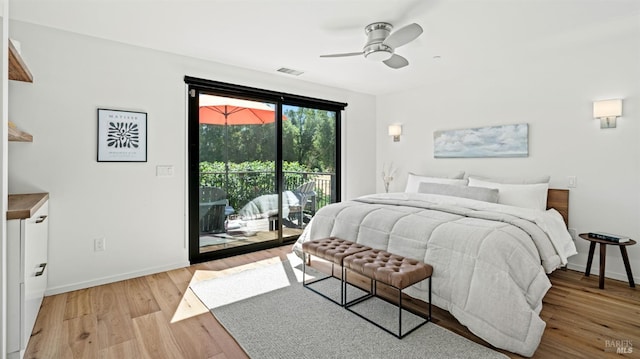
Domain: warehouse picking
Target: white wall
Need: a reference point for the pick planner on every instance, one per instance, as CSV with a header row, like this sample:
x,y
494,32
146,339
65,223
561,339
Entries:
x,y
142,217
551,87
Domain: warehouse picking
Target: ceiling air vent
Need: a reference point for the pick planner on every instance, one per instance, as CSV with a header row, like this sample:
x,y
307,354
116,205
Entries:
x,y
290,71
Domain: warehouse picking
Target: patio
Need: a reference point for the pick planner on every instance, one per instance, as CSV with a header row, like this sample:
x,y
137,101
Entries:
x,y
246,213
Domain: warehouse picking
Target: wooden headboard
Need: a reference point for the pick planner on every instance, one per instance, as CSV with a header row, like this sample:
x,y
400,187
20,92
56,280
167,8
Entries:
x,y
558,199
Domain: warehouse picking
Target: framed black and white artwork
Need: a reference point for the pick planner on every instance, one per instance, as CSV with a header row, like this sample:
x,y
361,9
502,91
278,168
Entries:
x,y
122,136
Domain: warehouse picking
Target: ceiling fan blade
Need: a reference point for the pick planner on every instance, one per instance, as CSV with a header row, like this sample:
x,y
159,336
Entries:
x,y
403,36
344,55
396,62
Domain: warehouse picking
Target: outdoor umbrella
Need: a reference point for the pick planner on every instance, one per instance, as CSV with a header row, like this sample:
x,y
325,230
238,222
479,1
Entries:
x,y
216,110
227,111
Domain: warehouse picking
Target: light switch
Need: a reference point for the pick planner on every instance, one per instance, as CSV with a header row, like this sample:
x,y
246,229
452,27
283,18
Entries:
x,y
572,182
164,171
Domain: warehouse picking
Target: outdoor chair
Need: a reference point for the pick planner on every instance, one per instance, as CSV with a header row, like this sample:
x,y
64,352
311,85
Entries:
x,y
306,195
213,202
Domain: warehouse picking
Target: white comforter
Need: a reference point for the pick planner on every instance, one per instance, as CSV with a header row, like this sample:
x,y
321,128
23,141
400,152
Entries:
x,y
489,259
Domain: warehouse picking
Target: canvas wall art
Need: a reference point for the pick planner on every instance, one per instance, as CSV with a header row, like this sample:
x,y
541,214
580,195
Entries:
x,y
492,141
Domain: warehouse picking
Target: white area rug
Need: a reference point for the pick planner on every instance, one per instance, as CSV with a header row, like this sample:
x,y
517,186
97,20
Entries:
x,y
271,315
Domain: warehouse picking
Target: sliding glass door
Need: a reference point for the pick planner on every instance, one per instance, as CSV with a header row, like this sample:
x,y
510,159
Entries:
x,y
310,164
260,166
238,195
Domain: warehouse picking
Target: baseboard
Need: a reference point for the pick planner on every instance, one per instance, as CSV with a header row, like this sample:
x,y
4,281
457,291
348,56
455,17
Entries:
x,y
608,274
115,278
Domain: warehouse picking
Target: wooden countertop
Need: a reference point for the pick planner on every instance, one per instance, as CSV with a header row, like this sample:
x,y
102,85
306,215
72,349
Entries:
x,y
23,206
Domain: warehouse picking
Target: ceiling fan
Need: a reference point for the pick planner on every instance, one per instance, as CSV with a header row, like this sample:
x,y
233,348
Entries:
x,y
382,43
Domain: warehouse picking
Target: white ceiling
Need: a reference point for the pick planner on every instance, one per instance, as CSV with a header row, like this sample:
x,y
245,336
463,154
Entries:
x,y
265,35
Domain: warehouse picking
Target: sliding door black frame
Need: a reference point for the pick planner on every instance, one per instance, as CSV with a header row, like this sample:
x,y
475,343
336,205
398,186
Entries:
x,y
195,87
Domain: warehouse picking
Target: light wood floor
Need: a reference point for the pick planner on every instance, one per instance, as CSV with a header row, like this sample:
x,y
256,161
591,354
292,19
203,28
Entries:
x,y
156,316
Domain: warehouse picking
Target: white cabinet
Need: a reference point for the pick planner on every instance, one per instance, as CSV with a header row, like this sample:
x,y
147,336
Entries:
x,y
27,272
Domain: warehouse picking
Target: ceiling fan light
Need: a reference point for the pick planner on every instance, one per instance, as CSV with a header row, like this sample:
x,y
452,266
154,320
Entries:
x,y
379,55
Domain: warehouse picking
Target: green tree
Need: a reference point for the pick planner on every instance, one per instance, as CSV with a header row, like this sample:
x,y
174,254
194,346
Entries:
x,y
305,120
308,138
324,142
210,139
289,134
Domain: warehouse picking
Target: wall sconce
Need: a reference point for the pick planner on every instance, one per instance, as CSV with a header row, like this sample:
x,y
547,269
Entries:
x,y
395,131
607,111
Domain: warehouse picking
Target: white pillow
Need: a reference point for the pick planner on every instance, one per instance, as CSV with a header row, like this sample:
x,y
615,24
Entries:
x,y
413,182
532,195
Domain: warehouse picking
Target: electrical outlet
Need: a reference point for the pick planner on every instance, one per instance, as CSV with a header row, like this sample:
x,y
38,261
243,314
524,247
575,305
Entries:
x,y
99,245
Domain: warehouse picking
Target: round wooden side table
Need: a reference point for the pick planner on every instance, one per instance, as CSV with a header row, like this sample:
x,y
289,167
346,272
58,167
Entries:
x,y
603,255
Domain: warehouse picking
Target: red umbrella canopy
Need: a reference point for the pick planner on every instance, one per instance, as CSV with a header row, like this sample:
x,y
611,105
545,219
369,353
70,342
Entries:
x,y
216,110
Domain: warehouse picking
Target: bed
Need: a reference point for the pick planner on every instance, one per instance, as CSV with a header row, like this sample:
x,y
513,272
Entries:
x,y
490,259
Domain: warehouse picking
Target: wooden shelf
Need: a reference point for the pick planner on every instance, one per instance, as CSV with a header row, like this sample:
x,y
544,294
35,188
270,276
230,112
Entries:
x,y
18,70
23,206
17,135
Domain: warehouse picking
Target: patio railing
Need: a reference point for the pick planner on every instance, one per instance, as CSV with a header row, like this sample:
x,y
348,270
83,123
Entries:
x,y
243,186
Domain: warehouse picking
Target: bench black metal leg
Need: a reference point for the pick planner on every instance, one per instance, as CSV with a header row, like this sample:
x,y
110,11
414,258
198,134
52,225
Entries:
x,y
399,334
399,313
429,298
308,285
360,299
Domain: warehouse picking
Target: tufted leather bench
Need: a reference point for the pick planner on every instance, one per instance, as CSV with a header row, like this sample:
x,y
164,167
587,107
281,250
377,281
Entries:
x,y
333,250
393,270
